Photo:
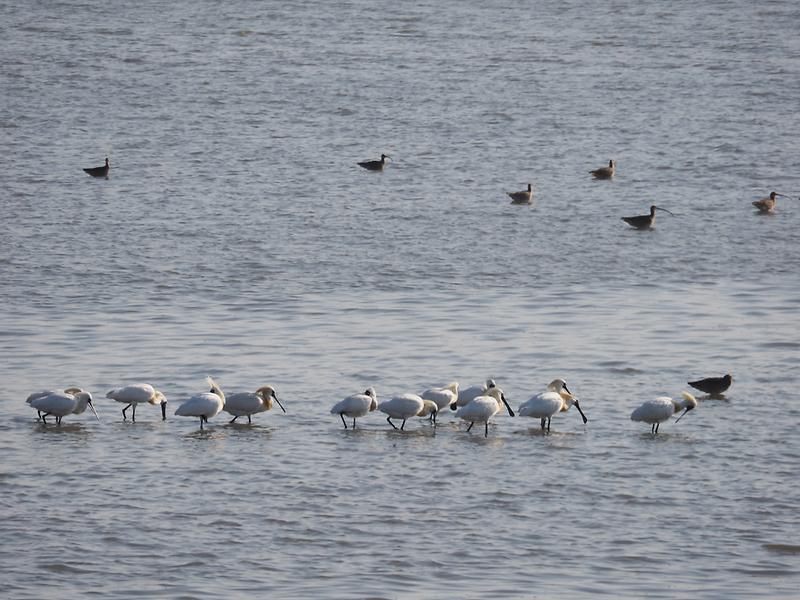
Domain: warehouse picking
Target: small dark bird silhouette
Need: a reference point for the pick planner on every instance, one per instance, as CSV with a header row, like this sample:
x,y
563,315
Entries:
x,y
713,386
375,165
605,172
98,171
523,197
645,221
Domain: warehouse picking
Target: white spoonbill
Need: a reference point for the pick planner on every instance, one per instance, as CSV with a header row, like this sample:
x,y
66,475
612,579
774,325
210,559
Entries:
x,y
249,403
136,393
469,394
557,398
63,403
403,407
443,396
483,408
429,409
356,405
205,405
43,393
662,408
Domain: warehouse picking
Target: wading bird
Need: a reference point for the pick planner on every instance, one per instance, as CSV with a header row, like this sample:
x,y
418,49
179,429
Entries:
x,y
356,405
767,205
245,404
483,408
60,404
645,221
403,407
713,386
662,408
557,398
443,396
205,405
137,393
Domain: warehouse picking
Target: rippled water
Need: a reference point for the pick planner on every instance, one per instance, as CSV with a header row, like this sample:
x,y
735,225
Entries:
x,y
236,237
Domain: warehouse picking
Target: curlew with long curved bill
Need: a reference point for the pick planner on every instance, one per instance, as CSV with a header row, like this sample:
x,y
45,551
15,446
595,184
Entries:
x,y
523,197
645,221
713,386
767,205
375,165
98,171
605,172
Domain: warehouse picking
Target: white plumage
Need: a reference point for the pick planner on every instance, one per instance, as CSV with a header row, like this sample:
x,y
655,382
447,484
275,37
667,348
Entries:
x,y
70,401
138,393
467,395
205,406
403,407
356,405
662,408
483,408
557,398
245,404
443,396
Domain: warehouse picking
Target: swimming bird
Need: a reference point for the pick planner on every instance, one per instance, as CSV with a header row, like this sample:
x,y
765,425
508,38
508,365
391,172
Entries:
x,y
483,408
403,407
713,386
557,398
662,408
61,404
356,405
605,172
467,395
375,165
205,405
136,393
443,396
249,403
523,197
99,171
645,221
766,205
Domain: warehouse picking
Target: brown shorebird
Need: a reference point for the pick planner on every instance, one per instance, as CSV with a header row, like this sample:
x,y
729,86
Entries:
x,y
523,197
375,165
713,386
766,205
645,221
98,171
605,172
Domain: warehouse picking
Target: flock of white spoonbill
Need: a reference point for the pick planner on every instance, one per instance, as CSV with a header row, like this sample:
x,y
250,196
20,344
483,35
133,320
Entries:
x,y
476,404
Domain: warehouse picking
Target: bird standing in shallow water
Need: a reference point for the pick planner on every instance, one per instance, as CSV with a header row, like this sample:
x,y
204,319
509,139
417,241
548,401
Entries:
x,y
61,404
483,408
713,386
605,172
98,171
767,205
403,407
138,393
205,406
645,221
557,398
245,404
523,197
356,405
375,165
662,408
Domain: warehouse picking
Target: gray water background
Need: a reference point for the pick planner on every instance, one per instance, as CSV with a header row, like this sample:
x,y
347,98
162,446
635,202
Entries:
x,y
236,237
